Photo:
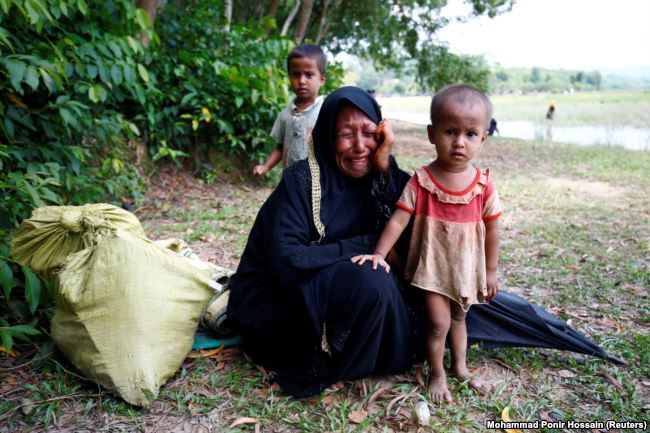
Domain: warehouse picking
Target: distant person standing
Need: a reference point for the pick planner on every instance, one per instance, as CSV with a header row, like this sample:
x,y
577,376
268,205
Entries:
x,y
493,127
551,111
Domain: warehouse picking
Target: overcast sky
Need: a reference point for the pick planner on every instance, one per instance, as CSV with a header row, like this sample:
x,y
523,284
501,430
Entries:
x,y
565,34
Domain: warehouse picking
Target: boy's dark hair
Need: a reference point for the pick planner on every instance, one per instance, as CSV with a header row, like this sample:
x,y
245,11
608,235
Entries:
x,y
312,51
462,93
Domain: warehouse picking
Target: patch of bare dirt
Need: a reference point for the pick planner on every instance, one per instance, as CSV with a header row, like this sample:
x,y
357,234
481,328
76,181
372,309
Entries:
x,y
581,186
173,190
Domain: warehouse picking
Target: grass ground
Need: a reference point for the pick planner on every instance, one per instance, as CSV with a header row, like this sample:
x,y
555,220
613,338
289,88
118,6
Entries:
x,y
630,108
575,239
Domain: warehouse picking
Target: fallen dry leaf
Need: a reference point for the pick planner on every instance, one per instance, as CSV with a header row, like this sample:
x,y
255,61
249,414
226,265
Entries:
x,y
611,379
401,398
608,321
544,416
505,416
419,376
194,410
566,374
364,389
372,409
405,378
243,420
475,371
205,393
375,395
392,403
27,405
205,353
12,352
635,288
504,364
358,415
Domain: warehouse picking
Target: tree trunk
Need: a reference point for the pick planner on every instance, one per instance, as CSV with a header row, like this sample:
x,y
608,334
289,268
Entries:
x,y
333,12
323,19
151,8
292,15
273,8
303,20
227,14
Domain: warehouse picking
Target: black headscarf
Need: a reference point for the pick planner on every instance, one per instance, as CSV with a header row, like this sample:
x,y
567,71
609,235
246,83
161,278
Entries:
x,y
336,188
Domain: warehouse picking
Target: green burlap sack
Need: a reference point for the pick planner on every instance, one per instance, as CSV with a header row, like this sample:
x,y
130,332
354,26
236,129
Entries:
x,y
126,312
44,241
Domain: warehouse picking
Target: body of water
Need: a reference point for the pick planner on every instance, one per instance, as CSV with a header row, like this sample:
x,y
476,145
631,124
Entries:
x,y
625,136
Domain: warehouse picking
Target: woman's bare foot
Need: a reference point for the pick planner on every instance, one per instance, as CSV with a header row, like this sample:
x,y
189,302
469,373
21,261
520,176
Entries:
x,y
438,390
335,386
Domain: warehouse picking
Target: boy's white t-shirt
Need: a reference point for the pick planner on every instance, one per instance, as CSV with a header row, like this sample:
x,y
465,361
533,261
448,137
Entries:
x,y
293,129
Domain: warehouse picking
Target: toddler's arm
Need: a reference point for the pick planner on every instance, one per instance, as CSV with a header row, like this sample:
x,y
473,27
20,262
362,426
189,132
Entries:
x,y
273,159
389,236
492,257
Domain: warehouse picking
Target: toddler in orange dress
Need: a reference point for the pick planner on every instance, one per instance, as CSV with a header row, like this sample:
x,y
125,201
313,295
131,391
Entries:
x,y
454,246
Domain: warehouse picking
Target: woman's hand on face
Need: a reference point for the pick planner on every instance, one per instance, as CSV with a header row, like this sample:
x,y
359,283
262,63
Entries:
x,y
385,139
376,259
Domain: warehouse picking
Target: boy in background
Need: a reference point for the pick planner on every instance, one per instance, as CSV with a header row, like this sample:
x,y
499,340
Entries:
x,y
306,65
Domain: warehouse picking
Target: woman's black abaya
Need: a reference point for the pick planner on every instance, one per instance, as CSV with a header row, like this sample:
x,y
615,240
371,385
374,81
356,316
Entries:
x,y
290,290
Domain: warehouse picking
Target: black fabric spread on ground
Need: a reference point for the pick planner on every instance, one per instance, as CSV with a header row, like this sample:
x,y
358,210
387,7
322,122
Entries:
x,y
511,321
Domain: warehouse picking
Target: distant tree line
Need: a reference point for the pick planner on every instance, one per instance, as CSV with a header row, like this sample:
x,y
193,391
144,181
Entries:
x,y
501,80
527,80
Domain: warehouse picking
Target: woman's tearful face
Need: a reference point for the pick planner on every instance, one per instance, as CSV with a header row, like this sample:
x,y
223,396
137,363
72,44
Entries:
x,y
355,142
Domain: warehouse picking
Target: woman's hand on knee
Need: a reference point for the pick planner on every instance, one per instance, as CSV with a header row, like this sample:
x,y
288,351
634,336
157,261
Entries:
x,y
376,259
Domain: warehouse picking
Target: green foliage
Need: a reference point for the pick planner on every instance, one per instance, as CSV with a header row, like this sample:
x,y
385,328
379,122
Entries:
x,y
443,68
68,77
71,79
23,292
216,88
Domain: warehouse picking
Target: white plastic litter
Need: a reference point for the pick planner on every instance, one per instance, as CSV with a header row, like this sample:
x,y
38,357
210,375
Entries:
x,y
422,412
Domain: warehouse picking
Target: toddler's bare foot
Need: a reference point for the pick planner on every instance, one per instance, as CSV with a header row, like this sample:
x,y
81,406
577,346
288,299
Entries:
x,y
438,390
476,383
335,386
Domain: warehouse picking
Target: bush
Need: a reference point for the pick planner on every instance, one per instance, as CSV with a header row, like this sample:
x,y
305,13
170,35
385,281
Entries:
x,y
71,79
69,75
216,88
